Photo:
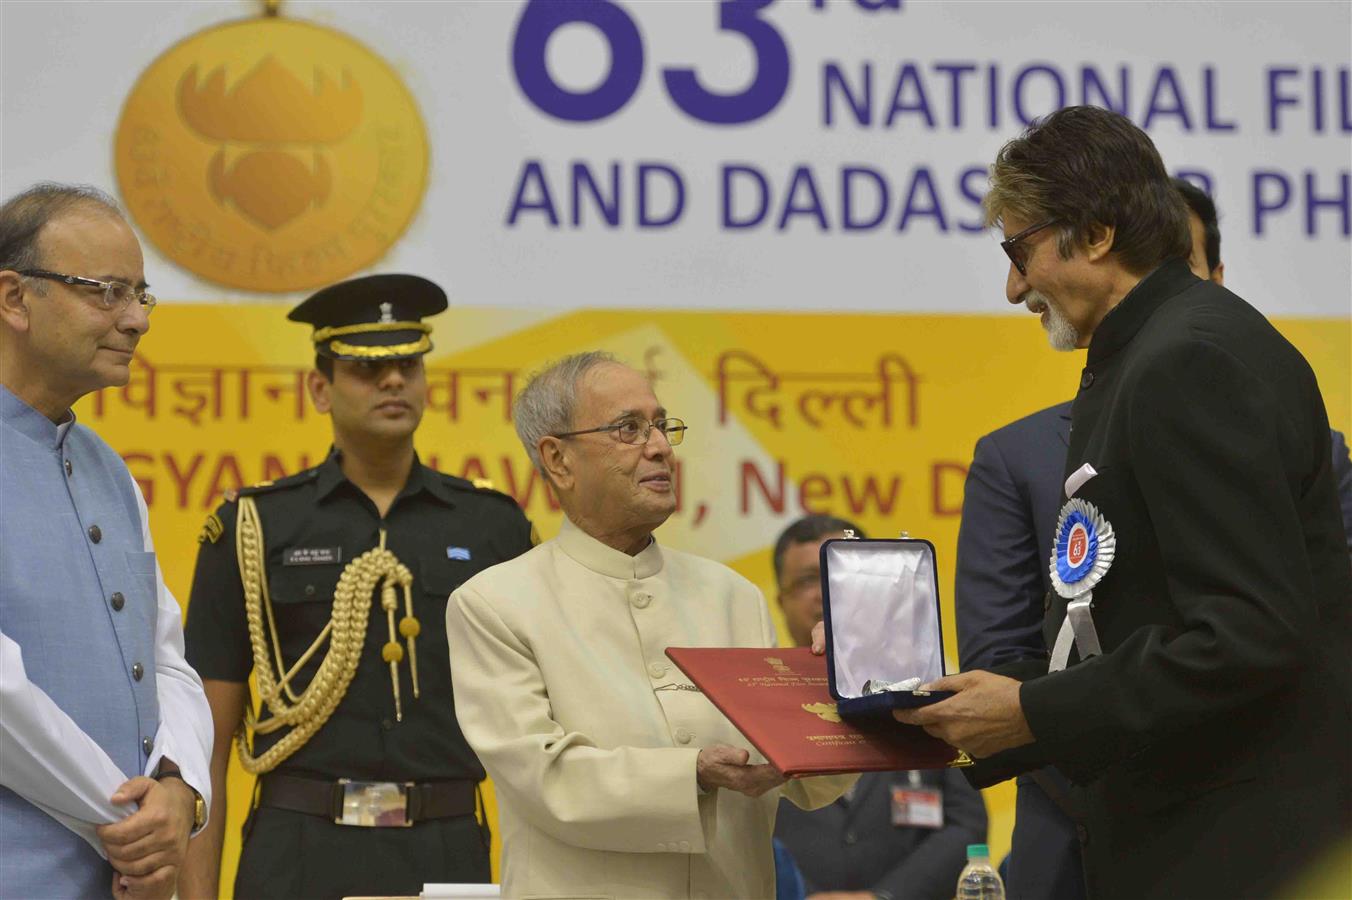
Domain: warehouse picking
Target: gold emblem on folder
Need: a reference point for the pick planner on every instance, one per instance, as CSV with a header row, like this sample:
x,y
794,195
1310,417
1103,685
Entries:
x,y
824,711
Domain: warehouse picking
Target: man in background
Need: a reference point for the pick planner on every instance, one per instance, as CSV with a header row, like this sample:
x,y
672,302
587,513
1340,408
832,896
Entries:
x,y
104,730
1205,262
893,835
342,571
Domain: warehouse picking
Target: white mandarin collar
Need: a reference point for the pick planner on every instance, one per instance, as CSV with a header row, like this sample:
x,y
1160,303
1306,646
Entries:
x,y
606,560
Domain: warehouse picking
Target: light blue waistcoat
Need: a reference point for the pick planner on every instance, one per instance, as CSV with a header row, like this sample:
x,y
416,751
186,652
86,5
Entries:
x,y
59,491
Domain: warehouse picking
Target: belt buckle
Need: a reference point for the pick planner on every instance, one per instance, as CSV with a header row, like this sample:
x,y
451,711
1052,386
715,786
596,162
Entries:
x,y
374,804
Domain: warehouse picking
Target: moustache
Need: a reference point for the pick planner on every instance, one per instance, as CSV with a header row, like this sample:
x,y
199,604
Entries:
x,y
1034,301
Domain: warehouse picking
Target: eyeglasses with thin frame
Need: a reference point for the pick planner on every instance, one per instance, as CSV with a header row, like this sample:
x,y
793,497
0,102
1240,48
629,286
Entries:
x,y
116,294
1014,249
637,431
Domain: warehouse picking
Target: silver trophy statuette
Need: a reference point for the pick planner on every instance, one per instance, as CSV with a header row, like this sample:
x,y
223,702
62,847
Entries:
x,y
883,687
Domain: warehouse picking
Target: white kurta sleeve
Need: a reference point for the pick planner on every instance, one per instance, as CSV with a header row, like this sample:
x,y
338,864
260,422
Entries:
x,y
185,733
804,793
628,799
48,760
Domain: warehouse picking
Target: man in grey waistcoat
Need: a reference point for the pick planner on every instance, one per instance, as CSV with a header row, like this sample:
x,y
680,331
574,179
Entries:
x,y
104,729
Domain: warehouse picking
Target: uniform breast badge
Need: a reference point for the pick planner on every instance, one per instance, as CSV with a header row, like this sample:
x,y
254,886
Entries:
x,y
1084,551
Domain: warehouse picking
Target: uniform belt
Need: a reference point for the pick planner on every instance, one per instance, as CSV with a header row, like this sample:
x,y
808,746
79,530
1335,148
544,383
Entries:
x,y
374,804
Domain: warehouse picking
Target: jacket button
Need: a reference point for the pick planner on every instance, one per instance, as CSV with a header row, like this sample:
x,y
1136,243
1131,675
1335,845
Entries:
x,y
386,724
309,590
137,671
1086,379
641,600
851,837
683,736
118,601
70,470
657,669
95,533
147,744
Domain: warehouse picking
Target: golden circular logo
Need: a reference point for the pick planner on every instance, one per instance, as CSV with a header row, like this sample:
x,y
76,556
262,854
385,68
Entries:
x,y
271,155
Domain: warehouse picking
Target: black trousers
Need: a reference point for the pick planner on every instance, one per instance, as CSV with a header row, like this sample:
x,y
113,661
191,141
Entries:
x,y
298,856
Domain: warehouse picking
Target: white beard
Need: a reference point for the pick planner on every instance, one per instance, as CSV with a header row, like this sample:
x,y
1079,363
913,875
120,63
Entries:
x,y
1061,334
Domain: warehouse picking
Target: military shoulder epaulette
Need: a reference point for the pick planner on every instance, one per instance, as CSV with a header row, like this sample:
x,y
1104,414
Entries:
x,y
476,486
214,527
265,487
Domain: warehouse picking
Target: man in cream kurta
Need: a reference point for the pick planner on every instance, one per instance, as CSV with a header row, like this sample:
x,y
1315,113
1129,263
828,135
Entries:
x,y
596,743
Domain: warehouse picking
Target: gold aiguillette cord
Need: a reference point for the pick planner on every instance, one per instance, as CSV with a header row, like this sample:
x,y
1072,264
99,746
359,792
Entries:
x,y
409,627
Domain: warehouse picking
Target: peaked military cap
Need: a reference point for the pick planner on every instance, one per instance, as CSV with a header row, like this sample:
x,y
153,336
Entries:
x,y
374,317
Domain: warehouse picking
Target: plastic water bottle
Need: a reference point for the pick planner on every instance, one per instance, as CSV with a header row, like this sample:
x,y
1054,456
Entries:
x,y
979,880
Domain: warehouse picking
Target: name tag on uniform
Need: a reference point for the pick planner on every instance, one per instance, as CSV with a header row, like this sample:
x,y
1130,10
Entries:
x,y
917,807
312,556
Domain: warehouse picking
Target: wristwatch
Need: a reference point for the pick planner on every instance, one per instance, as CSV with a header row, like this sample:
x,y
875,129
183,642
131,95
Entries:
x,y
199,806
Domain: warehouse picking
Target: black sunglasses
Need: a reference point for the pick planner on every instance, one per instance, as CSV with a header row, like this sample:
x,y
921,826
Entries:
x,y
1017,253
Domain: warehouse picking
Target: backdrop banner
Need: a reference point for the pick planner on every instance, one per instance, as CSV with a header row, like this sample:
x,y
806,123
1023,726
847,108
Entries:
x,y
720,154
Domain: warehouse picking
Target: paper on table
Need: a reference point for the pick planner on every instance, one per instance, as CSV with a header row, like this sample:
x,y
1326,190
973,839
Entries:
x,y
460,892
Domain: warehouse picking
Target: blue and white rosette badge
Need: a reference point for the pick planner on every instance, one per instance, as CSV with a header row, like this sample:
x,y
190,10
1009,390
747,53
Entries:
x,y
1084,551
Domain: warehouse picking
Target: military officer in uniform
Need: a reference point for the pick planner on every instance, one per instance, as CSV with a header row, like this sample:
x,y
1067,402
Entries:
x,y
331,587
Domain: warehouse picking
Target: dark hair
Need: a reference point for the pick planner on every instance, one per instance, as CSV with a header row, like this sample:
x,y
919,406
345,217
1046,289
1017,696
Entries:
x,y
325,365
1200,202
1084,166
24,216
807,529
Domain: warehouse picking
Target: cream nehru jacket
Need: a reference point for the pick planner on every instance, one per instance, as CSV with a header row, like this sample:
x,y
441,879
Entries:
x,y
590,733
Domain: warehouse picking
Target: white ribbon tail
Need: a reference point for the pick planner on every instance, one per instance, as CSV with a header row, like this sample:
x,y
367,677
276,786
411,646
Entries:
x,y
1077,628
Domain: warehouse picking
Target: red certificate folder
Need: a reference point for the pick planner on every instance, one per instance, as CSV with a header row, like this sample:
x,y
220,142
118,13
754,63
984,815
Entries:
x,y
780,699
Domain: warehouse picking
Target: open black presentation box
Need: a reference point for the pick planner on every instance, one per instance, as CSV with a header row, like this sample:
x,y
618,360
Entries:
x,y
880,602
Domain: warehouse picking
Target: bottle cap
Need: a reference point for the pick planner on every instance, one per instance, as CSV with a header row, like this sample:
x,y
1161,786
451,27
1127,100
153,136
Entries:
x,y
978,851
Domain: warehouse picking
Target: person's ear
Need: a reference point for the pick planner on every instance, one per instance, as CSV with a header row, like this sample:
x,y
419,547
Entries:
x,y
319,386
13,300
1218,274
1099,241
557,462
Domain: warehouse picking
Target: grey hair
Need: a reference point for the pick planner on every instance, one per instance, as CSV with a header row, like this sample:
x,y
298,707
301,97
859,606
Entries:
x,y
546,404
24,216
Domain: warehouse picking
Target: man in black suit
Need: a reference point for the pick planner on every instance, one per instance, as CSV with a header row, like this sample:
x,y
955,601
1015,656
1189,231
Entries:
x,y
1008,518
895,834
1203,698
